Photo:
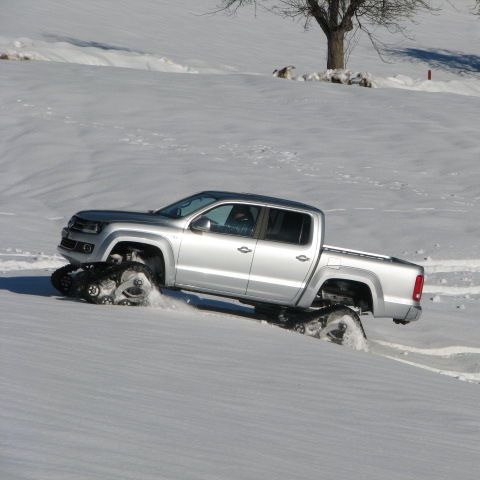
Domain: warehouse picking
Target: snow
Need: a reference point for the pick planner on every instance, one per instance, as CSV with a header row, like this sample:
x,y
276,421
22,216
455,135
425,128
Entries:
x,y
27,261
89,53
459,87
111,393
107,114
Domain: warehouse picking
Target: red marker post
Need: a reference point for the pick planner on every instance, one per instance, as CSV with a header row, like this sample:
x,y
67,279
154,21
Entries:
x,y
429,75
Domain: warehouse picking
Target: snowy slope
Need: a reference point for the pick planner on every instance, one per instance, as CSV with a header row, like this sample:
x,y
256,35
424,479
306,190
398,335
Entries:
x,y
179,392
116,393
189,35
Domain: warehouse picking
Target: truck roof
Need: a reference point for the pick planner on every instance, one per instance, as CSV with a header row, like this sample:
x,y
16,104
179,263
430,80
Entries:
x,y
281,202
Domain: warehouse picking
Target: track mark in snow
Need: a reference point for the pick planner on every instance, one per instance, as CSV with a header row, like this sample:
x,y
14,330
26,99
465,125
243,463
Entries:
x,y
445,352
457,361
466,377
7,214
452,291
131,137
459,277
396,210
448,266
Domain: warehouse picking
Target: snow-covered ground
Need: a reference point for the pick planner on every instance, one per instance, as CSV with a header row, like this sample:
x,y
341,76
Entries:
x,y
131,105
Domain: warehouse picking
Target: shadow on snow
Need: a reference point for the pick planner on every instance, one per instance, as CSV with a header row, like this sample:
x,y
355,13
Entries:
x,y
84,43
450,60
39,285
42,287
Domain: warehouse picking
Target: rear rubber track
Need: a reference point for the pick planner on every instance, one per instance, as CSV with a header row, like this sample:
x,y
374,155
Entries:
x,y
324,322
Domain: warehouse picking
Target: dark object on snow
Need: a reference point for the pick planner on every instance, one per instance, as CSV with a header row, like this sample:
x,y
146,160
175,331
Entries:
x,y
336,323
285,72
344,77
14,56
127,283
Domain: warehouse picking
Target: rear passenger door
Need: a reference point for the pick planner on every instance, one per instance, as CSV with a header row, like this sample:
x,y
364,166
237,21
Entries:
x,y
284,256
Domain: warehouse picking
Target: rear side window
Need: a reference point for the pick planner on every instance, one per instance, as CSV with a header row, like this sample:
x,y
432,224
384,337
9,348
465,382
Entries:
x,y
289,227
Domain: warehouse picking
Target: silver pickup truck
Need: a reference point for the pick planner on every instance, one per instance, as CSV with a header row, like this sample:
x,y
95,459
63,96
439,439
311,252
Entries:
x,y
262,251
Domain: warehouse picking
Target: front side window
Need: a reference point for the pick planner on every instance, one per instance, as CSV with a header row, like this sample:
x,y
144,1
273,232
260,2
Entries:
x,y
186,206
233,219
289,227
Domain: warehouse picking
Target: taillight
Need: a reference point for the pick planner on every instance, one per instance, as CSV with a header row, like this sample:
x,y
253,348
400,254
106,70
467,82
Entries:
x,y
417,291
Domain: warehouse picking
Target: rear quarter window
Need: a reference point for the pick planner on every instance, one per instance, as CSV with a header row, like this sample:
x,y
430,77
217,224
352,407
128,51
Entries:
x,y
288,227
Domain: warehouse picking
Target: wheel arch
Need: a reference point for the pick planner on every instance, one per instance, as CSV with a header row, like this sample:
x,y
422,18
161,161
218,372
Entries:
x,y
356,276
156,247
359,292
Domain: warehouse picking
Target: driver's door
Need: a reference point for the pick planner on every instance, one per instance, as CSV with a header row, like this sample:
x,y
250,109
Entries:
x,y
219,260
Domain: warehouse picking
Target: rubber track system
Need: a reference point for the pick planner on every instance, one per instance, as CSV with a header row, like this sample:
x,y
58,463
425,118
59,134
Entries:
x,y
127,283
328,322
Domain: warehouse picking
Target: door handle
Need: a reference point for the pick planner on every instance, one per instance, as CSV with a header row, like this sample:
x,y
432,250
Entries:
x,y
244,249
302,258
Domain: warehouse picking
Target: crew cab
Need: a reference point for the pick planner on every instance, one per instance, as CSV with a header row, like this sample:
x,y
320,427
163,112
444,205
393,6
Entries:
x,y
263,251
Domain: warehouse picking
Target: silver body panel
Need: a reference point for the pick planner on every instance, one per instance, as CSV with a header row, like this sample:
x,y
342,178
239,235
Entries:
x,y
277,275
252,269
213,262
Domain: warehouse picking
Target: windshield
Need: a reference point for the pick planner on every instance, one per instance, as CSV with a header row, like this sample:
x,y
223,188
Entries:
x,y
186,206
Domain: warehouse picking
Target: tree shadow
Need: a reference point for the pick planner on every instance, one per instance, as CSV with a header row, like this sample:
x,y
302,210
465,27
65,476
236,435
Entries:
x,y
450,60
88,43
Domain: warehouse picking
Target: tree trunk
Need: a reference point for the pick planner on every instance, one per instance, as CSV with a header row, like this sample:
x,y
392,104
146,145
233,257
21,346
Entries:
x,y
335,57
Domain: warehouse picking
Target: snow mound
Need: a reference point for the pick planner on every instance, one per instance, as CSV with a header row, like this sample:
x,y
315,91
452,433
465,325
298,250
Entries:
x,y
18,262
158,299
343,76
87,53
468,87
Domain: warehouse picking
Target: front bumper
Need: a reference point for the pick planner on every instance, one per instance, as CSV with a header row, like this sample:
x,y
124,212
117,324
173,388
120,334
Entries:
x,y
76,247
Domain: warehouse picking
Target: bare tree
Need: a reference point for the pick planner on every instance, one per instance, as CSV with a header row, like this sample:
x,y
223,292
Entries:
x,y
338,17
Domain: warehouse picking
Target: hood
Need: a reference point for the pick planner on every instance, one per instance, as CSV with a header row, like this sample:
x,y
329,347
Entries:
x,y
110,216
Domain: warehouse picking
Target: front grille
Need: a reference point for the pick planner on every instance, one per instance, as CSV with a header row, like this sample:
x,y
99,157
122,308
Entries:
x,y
81,247
67,243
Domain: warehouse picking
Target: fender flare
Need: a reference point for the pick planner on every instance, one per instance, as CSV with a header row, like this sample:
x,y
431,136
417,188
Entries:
x,y
345,273
162,243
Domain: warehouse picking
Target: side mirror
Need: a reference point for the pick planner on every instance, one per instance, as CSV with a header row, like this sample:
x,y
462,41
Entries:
x,y
201,224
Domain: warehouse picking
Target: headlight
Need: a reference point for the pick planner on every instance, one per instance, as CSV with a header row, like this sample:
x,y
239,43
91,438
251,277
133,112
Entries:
x,y
85,226
91,227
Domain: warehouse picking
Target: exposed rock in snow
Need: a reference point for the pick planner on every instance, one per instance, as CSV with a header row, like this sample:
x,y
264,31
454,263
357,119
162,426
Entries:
x,y
345,77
